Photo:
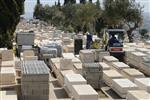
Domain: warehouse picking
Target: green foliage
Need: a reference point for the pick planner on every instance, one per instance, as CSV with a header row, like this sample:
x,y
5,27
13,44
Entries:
x,y
144,33
72,17
119,12
88,16
69,1
10,11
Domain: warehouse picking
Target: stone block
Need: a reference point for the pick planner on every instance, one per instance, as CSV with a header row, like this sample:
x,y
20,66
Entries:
x,y
84,92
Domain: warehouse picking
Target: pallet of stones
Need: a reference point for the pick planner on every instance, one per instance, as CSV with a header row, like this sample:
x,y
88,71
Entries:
x,y
93,73
7,76
132,73
34,71
138,95
87,56
35,80
143,83
109,75
122,86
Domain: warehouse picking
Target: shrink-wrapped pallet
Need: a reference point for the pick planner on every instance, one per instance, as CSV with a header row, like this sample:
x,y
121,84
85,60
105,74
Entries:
x,y
28,53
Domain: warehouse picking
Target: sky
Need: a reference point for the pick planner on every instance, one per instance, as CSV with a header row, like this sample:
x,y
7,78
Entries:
x,y
30,4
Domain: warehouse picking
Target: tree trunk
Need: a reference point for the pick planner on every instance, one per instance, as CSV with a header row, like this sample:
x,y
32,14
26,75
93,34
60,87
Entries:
x,y
130,36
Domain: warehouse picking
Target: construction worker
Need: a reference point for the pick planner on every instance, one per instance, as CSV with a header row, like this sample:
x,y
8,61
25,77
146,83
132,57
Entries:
x,y
112,40
88,40
105,40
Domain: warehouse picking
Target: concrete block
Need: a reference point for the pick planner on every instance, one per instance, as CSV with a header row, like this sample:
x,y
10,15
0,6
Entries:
x,y
7,63
77,68
138,95
73,79
26,58
66,64
104,66
143,83
7,75
7,55
132,73
109,75
84,92
109,59
122,86
119,66
87,56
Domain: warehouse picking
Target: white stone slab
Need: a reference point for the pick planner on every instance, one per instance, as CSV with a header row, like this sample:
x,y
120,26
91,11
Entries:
x,y
73,79
68,55
84,92
110,59
122,86
119,66
104,66
138,95
132,73
143,83
108,75
8,95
